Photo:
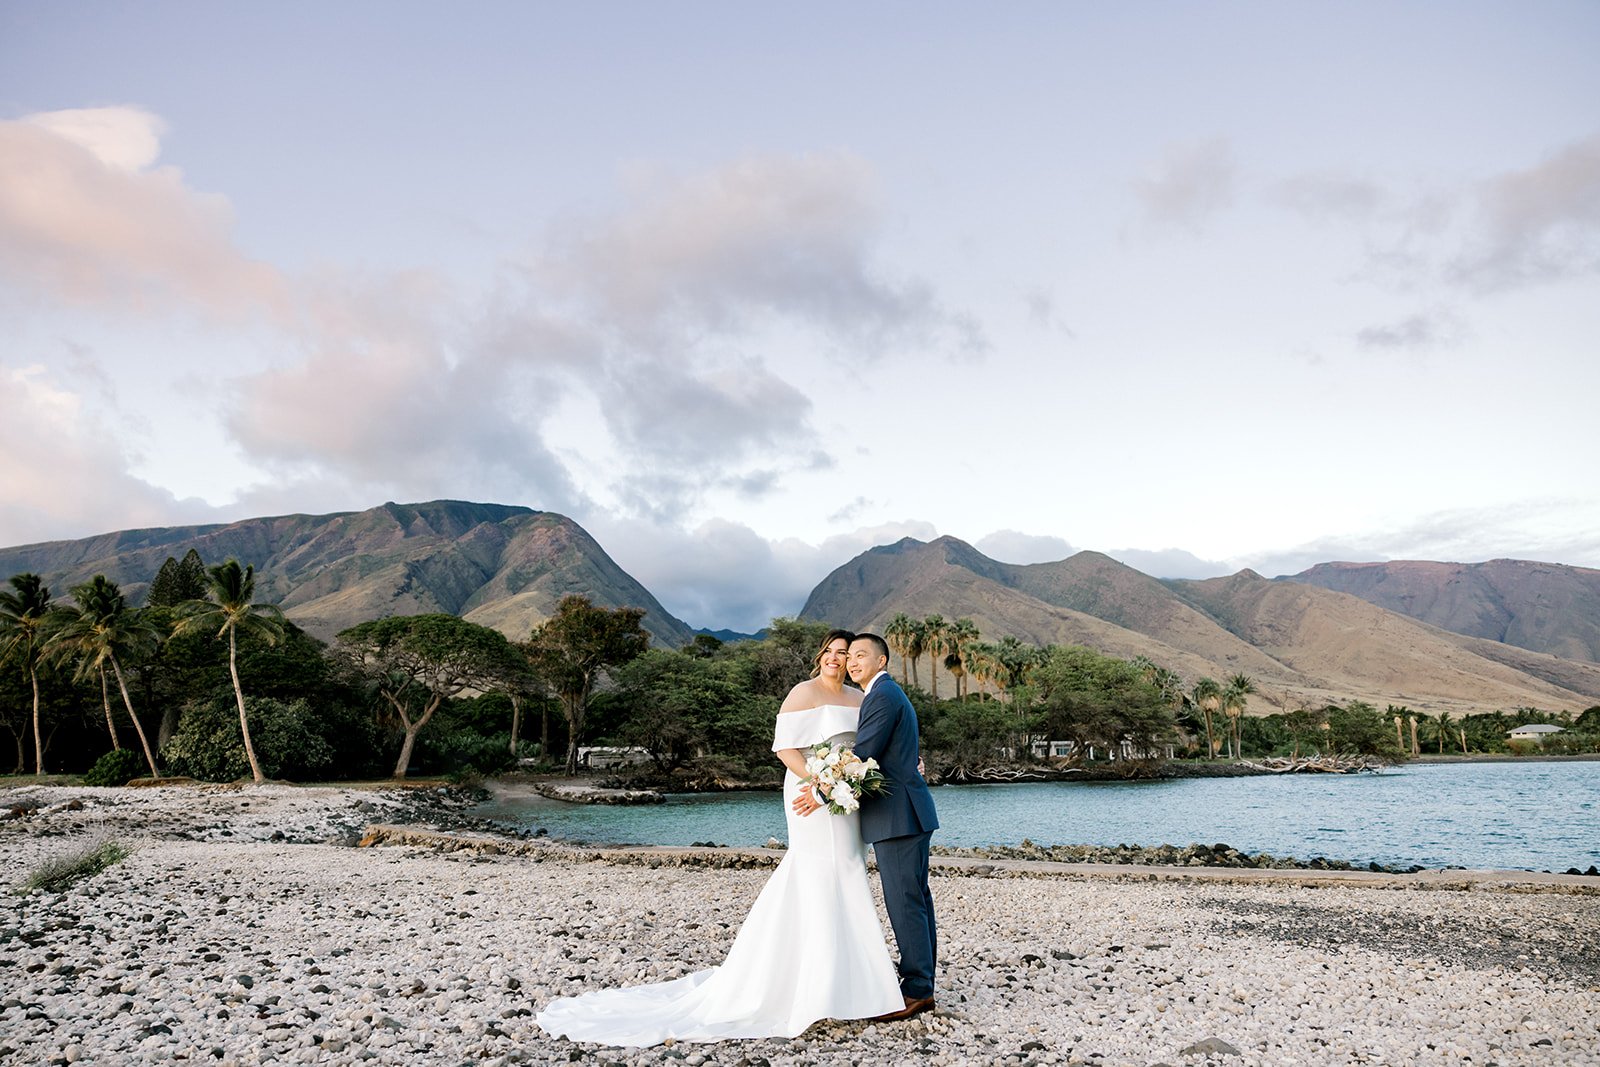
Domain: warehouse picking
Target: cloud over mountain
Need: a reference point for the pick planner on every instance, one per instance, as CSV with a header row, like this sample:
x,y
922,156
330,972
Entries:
x,y
86,218
634,347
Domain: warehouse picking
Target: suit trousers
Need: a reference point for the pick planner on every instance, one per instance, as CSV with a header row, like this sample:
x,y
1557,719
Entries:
x,y
903,870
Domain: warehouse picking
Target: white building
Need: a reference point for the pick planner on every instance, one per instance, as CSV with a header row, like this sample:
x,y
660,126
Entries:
x,y
1125,750
601,757
1535,732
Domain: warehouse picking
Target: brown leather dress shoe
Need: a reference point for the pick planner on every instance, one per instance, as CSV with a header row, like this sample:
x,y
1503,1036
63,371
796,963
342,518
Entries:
x,y
914,1006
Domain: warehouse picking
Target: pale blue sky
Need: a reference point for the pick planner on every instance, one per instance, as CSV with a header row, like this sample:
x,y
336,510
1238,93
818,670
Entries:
x,y
746,289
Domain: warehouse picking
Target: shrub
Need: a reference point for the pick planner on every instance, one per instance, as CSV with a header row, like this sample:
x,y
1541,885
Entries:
x,y
452,751
60,872
289,739
115,768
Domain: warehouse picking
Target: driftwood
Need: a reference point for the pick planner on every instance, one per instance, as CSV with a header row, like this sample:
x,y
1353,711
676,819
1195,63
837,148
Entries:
x,y
964,773
1316,764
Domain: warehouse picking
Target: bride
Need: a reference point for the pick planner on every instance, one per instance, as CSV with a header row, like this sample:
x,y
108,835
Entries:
x,y
811,948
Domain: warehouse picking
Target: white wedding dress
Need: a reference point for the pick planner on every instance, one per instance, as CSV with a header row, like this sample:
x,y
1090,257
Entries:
x,y
811,948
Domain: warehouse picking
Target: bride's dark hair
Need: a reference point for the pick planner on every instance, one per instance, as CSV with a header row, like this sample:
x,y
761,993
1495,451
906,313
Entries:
x,y
833,635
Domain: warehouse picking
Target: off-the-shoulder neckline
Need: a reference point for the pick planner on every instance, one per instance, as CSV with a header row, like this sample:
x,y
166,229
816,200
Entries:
x,y
820,707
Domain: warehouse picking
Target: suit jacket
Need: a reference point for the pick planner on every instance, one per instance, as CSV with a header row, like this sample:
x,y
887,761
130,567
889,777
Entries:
x,y
887,732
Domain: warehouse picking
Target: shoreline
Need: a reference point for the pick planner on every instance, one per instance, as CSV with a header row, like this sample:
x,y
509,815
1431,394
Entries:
x,y
222,940
1504,757
1194,855
1100,771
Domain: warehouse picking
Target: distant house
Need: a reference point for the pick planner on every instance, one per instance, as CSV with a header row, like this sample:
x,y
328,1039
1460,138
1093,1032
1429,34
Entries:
x,y
601,757
1125,750
1535,732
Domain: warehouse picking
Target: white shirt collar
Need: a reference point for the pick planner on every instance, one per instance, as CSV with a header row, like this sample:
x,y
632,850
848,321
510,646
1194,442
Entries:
x,y
874,681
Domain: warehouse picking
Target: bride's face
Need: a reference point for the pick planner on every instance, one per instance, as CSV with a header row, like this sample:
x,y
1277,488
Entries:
x,y
833,658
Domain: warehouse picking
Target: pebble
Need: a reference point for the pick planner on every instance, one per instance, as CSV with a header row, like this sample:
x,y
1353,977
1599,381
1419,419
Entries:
x,y
214,947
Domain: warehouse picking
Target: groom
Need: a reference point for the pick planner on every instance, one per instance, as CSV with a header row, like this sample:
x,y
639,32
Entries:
x,y
900,823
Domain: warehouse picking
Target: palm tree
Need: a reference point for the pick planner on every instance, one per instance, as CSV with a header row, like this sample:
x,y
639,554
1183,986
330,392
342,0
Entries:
x,y
963,633
915,643
977,659
25,619
936,639
1234,699
1170,685
1207,696
1444,729
1014,660
898,635
98,629
228,612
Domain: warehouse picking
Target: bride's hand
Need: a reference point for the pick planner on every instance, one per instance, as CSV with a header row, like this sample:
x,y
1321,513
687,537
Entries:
x,y
806,802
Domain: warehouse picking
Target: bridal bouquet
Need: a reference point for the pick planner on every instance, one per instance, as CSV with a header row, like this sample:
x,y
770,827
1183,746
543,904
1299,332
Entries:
x,y
841,778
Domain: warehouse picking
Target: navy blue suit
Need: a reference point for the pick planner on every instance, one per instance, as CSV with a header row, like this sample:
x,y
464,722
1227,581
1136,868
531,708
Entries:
x,y
899,825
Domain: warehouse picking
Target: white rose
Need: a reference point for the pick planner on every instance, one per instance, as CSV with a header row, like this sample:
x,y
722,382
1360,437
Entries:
x,y
847,800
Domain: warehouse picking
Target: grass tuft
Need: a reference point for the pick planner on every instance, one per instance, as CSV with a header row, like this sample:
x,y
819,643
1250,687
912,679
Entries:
x,y
59,873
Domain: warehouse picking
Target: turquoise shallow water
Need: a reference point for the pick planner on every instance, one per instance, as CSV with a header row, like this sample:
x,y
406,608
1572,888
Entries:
x,y
1535,816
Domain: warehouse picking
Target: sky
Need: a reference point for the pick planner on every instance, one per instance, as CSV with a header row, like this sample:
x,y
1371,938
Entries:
x,y
748,289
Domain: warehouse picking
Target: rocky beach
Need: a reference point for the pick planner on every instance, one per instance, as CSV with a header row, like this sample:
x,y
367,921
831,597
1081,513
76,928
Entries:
x,y
245,927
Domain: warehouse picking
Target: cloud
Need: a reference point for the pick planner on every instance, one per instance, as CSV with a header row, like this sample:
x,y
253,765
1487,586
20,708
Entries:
x,y
123,138
1330,197
1014,546
1170,563
680,414
84,220
680,290
851,510
66,468
719,575
1193,182
787,236
659,317
1534,225
1539,224
1043,314
379,402
653,320
1414,332
1556,530
638,346
723,574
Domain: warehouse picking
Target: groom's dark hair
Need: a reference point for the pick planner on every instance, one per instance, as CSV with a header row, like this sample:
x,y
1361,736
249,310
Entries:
x,y
879,643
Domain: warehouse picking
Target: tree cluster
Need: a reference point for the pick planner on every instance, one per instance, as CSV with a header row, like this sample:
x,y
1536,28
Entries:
x,y
205,682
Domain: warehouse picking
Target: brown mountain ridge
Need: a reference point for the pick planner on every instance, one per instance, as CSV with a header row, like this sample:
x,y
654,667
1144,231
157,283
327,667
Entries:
x,y
1543,607
502,566
1302,644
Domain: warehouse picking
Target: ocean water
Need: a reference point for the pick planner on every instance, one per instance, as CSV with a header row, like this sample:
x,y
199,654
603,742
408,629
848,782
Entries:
x,y
1531,816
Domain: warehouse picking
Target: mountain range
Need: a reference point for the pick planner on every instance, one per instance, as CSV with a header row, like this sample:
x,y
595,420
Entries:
x,y
505,567
1544,607
1303,644
1433,636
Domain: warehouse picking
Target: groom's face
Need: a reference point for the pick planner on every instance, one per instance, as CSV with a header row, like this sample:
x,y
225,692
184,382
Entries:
x,y
865,661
